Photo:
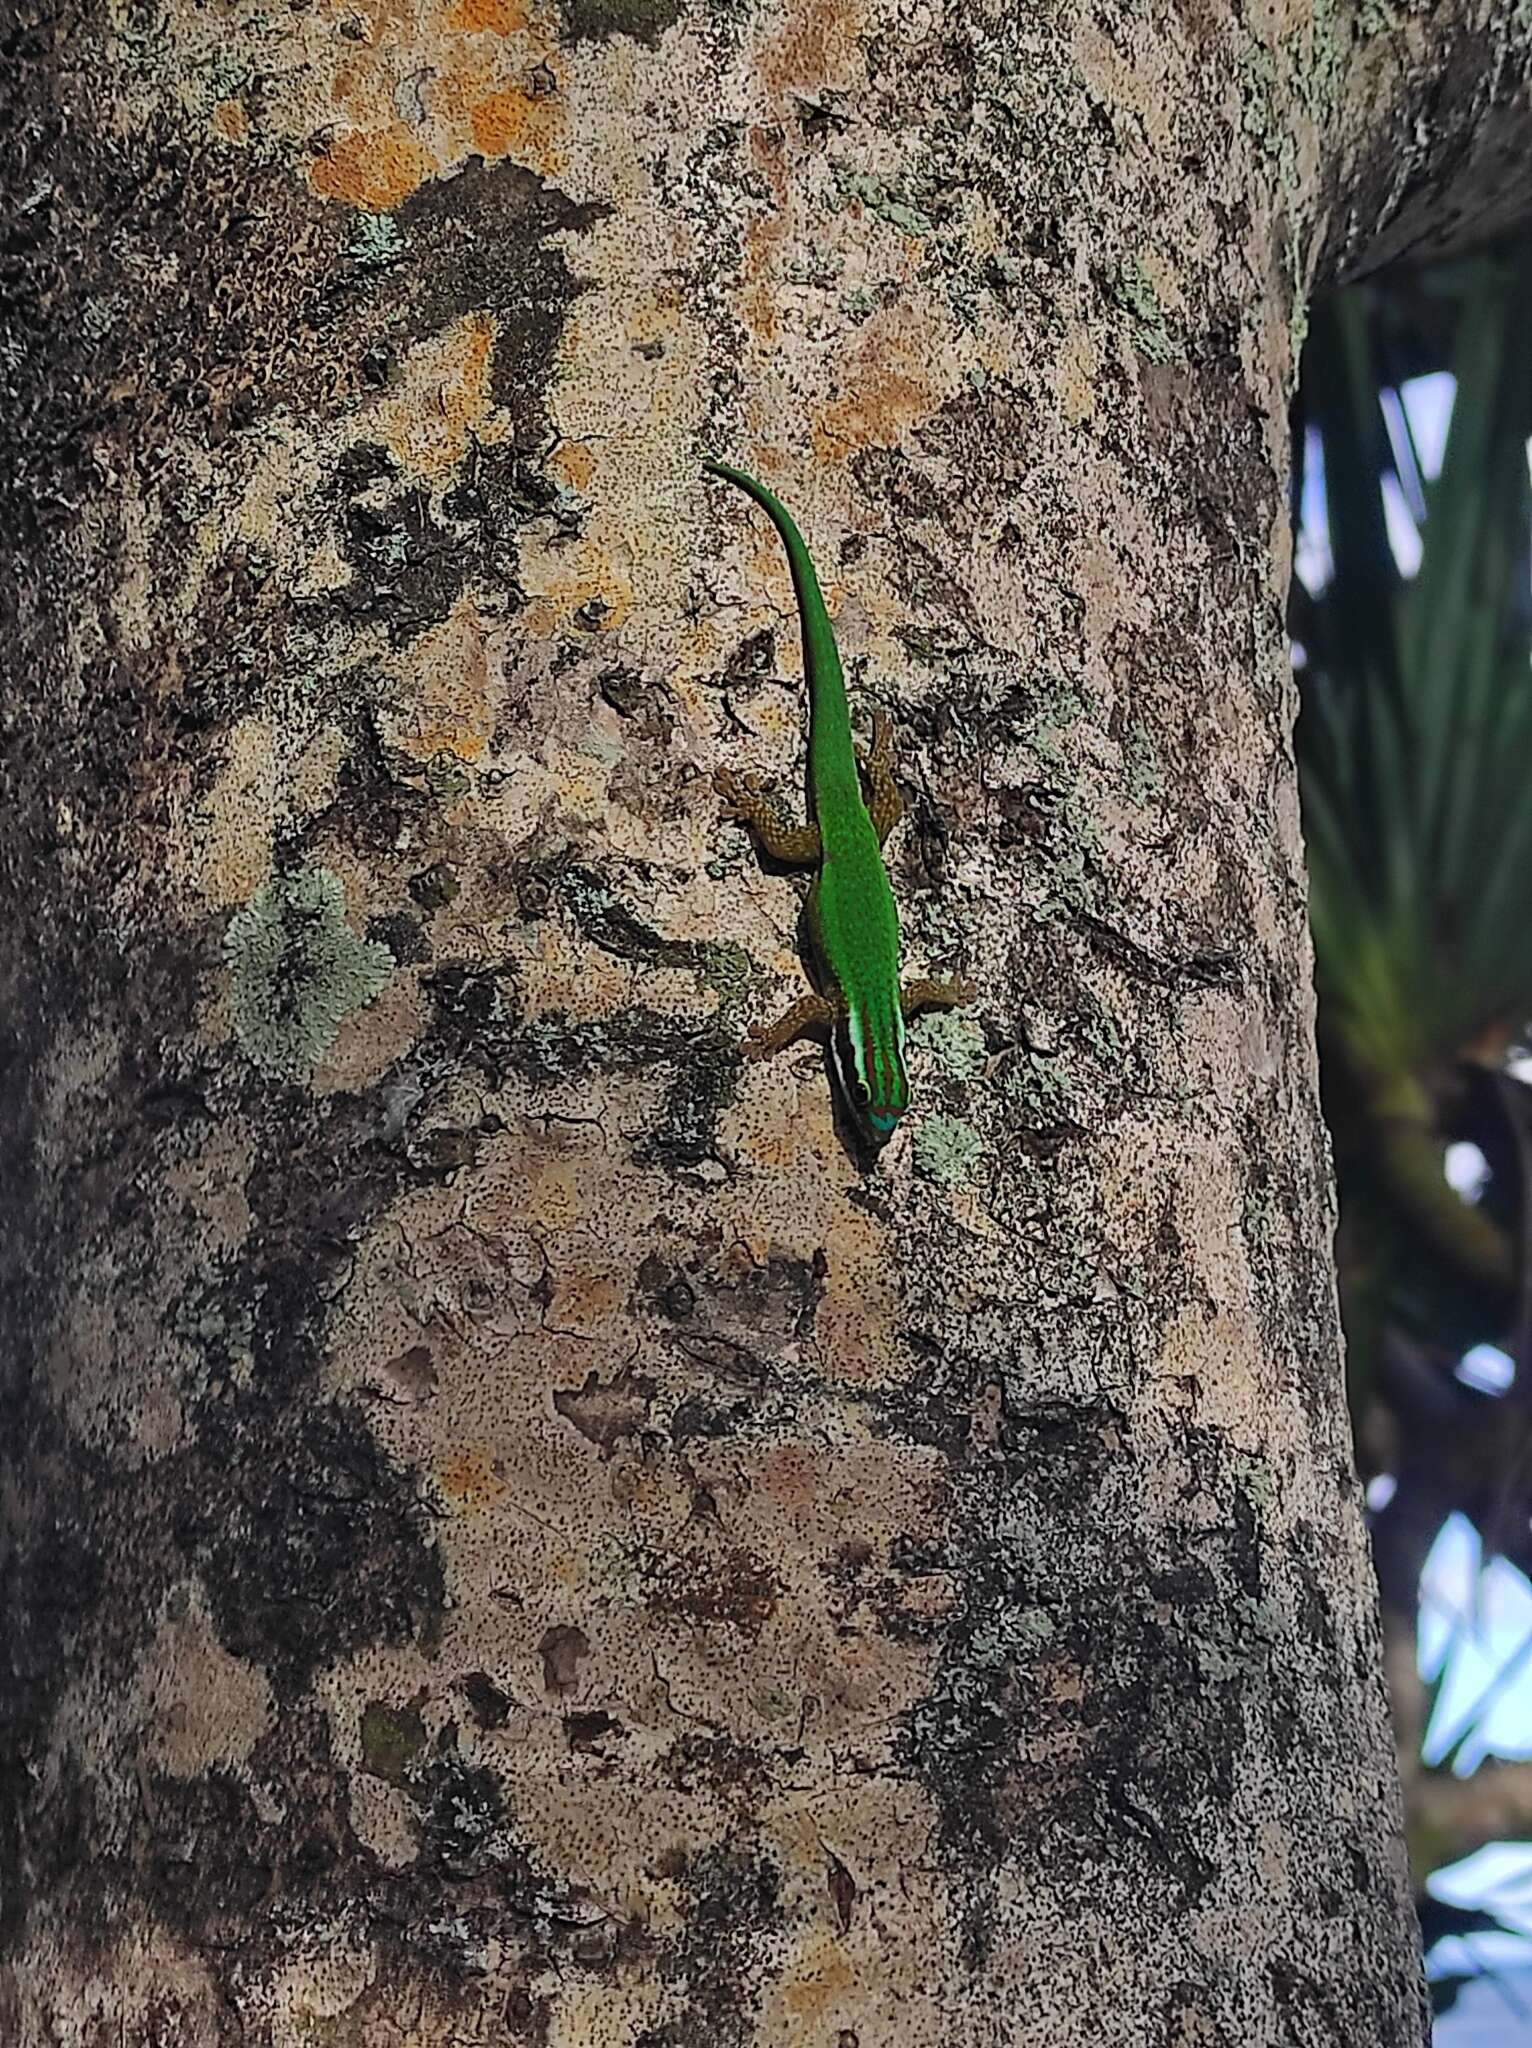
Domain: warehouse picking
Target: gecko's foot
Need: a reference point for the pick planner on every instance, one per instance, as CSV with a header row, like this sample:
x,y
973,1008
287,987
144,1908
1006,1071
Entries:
x,y
739,792
937,995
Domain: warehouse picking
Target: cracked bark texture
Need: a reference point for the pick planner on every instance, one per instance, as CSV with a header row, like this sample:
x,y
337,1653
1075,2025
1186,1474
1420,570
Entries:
x,y
511,1533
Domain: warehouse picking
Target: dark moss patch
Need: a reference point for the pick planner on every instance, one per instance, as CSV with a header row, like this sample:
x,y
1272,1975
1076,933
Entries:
x,y
433,888
392,1738
309,1541
703,1087
695,1419
402,935
491,1707
211,1864
591,21
461,1811
1202,416
607,1412
1143,1679
106,361
738,1773
53,1575
735,1312
733,1898
595,1733
483,238
646,707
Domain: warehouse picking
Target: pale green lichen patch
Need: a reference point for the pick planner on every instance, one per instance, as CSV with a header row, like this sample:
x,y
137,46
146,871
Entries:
x,y
298,970
1059,706
947,1149
1298,312
1140,765
1258,84
377,242
1039,1084
1234,1642
879,200
1318,70
1134,291
954,1041
1256,1480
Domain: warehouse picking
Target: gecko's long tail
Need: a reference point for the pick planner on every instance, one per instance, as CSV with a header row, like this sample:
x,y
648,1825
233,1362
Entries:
x,y
832,761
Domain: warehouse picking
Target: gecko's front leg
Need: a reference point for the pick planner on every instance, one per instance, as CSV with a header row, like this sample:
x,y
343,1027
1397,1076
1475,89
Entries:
x,y
807,1014
794,845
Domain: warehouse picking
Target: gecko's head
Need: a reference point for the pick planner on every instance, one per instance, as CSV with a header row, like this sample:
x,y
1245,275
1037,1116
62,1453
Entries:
x,y
873,1079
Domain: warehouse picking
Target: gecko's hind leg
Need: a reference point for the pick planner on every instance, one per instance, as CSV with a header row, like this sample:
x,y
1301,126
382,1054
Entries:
x,y
795,845
885,805
936,995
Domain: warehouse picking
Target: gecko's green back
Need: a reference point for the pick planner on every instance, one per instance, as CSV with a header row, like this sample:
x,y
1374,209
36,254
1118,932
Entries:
x,y
851,913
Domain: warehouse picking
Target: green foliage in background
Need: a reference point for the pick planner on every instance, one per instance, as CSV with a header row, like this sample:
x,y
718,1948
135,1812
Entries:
x,y
1415,756
1415,752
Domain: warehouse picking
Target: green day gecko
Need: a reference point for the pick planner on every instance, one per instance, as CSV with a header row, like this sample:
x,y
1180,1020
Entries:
x,y
853,926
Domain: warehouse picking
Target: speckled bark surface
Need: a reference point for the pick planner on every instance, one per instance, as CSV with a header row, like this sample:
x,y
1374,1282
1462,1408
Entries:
x,y
511,1533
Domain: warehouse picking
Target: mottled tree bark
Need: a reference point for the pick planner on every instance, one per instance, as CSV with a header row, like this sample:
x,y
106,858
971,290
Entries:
x,y
514,1532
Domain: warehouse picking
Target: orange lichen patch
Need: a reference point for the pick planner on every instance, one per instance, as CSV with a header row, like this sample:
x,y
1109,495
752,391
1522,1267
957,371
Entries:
x,y
230,120
819,1976
590,590
791,1476
444,402
491,17
872,1494
656,316
574,464
590,1293
362,95
758,309
880,403
521,125
815,48
770,159
1076,378
452,713
857,1319
764,239
468,1481
375,170
548,1194
1144,87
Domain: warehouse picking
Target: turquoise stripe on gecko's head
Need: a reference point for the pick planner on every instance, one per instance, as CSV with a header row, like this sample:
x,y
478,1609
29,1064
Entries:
x,y
878,1087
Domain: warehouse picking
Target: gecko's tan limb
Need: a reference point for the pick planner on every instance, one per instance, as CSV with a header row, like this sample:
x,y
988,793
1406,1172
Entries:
x,y
795,845
936,995
809,1010
885,806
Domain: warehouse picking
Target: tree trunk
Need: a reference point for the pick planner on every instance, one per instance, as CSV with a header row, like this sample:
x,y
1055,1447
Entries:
x,y
516,1531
